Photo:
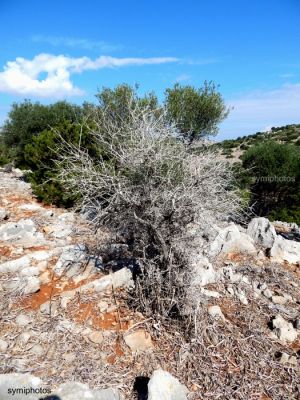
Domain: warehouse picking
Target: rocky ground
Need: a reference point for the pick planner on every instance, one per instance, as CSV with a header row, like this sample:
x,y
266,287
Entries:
x,y
65,318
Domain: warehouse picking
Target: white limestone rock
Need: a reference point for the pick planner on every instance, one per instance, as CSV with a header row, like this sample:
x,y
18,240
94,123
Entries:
x,y
23,320
216,312
284,330
32,285
231,240
285,250
262,232
164,386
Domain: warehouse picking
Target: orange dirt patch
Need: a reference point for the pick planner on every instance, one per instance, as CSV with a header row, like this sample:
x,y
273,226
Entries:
x,y
111,359
229,309
37,248
82,312
5,251
236,257
293,268
51,289
295,345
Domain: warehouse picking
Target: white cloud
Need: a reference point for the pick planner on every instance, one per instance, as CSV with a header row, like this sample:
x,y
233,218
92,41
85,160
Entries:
x,y
183,78
258,109
202,61
287,76
79,43
22,76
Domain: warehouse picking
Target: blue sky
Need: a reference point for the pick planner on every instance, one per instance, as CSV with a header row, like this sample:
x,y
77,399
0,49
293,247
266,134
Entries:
x,y
68,49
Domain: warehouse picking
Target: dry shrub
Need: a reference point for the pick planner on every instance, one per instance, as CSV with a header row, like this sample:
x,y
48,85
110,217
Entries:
x,y
150,187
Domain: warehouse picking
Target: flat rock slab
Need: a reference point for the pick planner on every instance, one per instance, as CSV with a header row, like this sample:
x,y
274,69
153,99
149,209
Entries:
x,y
138,341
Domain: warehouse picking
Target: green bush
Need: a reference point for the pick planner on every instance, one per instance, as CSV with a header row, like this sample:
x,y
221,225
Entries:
x,y
276,170
40,156
27,120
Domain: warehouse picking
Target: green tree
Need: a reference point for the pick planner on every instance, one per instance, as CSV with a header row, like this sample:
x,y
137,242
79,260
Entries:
x,y
275,190
196,112
27,120
120,101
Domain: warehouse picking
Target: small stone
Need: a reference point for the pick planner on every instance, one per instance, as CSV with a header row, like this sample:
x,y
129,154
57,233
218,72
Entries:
x,y
268,293
38,350
3,214
288,297
230,290
242,298
47,229
24,337
49,308
30,271
284,358
279,300
102,305
3,345
284,330
245,279
216,312
293,360
11,285
210,293
96,337
33,285
44,278
42,265
66,297
138,341
23,320
69,357
112,308
262,286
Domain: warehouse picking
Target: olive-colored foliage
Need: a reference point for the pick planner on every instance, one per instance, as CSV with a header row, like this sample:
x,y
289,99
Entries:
x,y
40,156
5,155
275,171
119,102
196,112
27,120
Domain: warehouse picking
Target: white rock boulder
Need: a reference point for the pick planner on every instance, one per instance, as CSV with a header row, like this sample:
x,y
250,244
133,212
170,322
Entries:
x,y
164,386
285,250
262,232
284,330
232,240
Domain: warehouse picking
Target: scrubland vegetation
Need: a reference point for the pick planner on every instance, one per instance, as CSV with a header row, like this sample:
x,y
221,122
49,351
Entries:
x,y
266,165
159,197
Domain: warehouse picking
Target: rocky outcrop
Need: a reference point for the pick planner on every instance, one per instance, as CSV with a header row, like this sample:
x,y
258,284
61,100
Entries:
x,y
22,232
285,250
262,232
64,312
232,240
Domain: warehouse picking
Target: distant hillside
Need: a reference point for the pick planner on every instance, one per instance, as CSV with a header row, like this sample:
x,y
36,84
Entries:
x,y
234,148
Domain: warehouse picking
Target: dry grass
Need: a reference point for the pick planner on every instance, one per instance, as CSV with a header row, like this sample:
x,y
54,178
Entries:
x,y
231,360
